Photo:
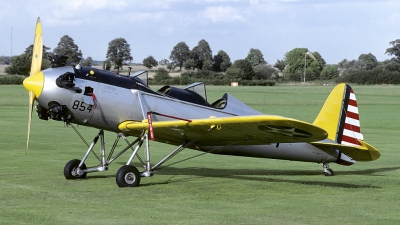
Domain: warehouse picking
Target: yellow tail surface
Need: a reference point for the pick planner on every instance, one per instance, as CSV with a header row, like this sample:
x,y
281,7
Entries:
x,y
340,118
329,116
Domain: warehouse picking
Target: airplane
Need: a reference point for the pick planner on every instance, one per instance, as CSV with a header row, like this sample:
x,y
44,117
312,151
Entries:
x,y
127,106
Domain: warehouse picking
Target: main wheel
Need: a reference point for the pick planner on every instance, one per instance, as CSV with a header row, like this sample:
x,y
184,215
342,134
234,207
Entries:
x,y
70,170
128,176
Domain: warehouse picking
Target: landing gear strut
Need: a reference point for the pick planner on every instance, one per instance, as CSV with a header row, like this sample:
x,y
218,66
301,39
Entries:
x,y
327,171
127,175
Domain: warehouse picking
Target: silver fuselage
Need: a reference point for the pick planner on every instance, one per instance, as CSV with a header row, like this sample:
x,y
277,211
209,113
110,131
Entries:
x,y
111,104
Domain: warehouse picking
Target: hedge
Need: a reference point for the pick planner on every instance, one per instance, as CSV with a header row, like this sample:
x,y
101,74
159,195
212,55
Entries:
x,y
11,79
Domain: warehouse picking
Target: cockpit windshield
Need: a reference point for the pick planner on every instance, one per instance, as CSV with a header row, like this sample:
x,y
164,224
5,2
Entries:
x,y
142,75
199,88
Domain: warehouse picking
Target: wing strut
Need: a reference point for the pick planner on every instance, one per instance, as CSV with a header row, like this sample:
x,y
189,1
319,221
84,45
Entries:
x,y
179,149
182,146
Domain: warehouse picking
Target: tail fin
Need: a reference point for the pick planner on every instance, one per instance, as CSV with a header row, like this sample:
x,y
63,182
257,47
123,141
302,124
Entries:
x,y
339,116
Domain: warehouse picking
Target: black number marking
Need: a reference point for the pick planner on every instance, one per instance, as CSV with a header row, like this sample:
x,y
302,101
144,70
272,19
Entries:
x,y
89,108
76,104
81,106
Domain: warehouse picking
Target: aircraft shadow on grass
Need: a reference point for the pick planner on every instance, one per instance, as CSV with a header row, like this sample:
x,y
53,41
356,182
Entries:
x,y
256,175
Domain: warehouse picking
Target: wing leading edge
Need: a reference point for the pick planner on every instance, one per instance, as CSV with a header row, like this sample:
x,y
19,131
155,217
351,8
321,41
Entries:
x,y
238,130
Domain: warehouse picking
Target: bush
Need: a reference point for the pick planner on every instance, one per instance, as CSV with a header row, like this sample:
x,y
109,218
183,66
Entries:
x,y
161,74
20,64
329,72
263,72
257,83
374,76
11,79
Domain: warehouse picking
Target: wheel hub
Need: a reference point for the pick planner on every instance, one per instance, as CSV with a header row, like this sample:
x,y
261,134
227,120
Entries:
x,y
74,172
130,178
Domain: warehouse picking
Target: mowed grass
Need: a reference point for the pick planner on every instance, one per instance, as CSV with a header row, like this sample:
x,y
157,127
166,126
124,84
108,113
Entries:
x,y
210,189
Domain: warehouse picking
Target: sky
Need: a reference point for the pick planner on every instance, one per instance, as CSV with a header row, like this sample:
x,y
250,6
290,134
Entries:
x,y
337,30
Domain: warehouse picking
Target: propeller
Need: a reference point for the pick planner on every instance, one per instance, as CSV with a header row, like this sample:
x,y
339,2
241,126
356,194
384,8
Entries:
x,y
34,83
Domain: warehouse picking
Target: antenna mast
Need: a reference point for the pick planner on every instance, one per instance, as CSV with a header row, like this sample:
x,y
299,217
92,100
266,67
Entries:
x,y
11,43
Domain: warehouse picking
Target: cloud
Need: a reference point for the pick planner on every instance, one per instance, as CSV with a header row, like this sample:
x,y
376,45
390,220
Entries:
x,y
222,14
75,12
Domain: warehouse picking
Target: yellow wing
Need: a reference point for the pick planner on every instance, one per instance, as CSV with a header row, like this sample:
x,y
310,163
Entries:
x,y
238,130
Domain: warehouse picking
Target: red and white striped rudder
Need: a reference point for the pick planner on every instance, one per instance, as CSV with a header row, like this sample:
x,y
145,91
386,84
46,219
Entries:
x,y
349,126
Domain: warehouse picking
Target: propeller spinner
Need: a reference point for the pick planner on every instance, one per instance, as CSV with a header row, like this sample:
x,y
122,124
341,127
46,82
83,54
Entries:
x,y
34,83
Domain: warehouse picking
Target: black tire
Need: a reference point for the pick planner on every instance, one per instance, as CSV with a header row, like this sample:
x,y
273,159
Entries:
x,y
70,170
128,176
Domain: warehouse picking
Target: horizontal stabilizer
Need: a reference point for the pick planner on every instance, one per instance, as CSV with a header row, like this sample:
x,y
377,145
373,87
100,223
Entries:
x,y
365,152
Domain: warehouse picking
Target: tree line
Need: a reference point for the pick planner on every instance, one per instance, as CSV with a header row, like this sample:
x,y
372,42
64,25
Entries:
x,y
200,63
297,65
68,53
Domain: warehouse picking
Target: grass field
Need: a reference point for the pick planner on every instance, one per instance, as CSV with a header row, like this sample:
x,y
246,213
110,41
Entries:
x,y
211,189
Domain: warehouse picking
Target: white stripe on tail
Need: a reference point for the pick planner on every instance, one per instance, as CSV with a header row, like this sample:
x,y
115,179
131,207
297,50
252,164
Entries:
x,y
351,126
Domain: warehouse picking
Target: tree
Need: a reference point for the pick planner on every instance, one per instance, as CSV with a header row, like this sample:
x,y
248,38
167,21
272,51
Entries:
x,y
280,65
161,74
395,50
298,60
346,66
67,47
255,57
321,62
163,62
263,72
241,69
190,64
330,72
368,60
21,64
201,53
221,61
5,60
119,51
171,66
179,54
88,61
390,65
207,65
107,65
150,62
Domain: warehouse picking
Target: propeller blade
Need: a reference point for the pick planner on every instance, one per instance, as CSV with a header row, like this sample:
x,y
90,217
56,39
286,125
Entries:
x,y
34,83
37,53
31,101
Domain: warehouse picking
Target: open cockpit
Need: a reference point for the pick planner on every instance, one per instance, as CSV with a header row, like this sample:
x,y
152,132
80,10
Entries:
x,y
194,93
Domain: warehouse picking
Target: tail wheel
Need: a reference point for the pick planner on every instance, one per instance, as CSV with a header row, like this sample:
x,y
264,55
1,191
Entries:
x,y
71,170
128,176
328,172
